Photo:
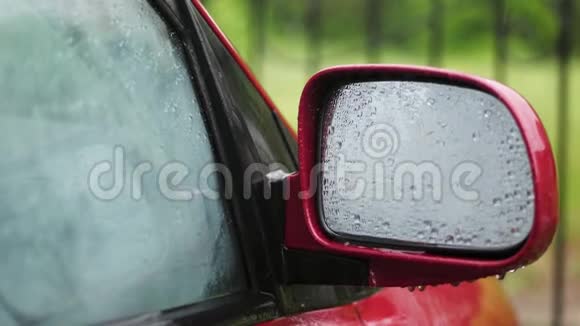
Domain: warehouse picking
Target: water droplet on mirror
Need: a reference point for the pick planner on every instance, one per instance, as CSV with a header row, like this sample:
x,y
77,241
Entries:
x,y
386,226
530,194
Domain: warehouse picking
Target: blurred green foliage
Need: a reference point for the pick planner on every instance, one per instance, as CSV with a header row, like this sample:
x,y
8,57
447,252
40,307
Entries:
x,y
468,24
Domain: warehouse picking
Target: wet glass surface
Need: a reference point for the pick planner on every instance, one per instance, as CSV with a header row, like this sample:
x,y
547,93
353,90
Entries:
x,y
426,164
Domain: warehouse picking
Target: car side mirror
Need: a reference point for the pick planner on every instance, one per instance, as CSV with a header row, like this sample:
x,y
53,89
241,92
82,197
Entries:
x,y
427,176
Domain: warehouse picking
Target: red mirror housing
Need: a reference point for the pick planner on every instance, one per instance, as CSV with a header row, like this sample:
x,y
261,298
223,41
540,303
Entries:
x,y
389,266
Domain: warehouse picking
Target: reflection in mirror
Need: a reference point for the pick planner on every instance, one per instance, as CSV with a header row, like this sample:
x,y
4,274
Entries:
x,y
424,165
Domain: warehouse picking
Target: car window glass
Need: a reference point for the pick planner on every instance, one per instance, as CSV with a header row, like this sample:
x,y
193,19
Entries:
x,y
98,118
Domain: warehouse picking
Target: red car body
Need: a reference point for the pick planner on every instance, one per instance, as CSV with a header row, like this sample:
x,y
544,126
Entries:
x,y
482,302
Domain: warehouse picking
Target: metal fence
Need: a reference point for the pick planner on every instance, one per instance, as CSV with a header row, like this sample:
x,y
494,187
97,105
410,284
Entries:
x,y
375,16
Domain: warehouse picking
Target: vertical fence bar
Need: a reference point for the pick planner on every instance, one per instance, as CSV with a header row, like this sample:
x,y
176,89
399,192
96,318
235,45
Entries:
x,y
257,24
436,33
501,30
374,25
564,51
313,32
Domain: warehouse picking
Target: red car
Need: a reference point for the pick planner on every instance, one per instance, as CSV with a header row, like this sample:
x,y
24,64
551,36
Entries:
x,y
148,179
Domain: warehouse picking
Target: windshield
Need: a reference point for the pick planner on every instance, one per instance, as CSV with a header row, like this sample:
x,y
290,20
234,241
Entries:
x,y
98,119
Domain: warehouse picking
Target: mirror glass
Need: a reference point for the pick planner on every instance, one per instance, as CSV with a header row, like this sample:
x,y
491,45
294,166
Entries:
x,y
422,165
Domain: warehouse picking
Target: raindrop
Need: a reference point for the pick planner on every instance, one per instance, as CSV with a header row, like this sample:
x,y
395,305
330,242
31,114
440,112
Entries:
x,y
431,101
486,113
421,288
500,276
386,225
529,194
